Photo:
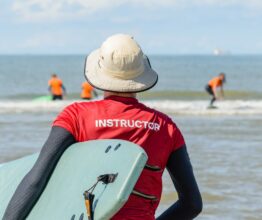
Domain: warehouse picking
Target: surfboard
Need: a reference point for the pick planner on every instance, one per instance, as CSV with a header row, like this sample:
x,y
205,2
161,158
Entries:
x,y
44,98
76,171
212,107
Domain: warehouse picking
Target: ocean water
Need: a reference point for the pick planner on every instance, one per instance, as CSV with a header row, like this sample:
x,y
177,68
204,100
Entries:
x,y
225,144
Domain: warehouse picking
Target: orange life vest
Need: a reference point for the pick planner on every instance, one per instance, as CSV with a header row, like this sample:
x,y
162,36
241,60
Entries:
x,y
86,90
56,86
215,82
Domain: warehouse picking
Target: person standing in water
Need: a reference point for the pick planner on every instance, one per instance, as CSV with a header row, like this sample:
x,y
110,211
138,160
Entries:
x,y
56,87
120,69
88,91
213,85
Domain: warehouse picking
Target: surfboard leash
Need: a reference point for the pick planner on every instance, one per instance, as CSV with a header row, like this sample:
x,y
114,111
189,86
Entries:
x,y
89,196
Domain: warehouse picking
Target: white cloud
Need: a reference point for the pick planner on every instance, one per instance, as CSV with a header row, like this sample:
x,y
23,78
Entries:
x,y
44,10
37,10
245,3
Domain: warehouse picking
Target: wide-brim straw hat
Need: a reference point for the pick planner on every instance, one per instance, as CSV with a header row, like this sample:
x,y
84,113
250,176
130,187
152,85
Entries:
x,y
119,65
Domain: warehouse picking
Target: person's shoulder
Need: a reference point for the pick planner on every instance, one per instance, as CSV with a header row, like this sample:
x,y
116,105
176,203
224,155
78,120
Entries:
x,y
81,104
166,121
59,80
84,105
158,113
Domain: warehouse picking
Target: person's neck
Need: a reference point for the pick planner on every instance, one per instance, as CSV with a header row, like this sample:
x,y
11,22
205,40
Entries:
x,y
122,94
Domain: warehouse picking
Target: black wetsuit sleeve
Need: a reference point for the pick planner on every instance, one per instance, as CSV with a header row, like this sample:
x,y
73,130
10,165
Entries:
x,y
189,203
33,184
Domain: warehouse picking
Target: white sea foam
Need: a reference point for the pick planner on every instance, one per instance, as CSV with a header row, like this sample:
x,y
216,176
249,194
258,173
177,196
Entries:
x,y
30,106
199,107
196,107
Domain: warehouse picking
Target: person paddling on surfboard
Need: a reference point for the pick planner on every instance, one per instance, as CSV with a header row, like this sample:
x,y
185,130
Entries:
x,y
212,87
56,87
120,69
88,91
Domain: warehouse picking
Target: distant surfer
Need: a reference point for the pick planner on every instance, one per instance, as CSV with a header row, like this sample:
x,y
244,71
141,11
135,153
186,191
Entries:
x,y
120,69
88,91
56,87
212,87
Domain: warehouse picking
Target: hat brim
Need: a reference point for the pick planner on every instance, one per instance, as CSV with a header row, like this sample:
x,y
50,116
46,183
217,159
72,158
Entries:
x,y
103,81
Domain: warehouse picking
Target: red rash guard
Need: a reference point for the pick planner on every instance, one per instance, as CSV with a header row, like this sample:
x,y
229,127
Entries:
x,y
125,118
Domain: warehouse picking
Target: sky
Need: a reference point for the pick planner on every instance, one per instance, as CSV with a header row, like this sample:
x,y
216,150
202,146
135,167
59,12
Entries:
x,y
160,26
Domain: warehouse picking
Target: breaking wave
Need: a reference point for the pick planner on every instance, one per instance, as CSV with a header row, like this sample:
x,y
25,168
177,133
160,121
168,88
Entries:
x,y
181,107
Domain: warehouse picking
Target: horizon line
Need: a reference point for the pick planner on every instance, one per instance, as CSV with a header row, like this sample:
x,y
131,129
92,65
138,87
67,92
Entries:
x,y
152,54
